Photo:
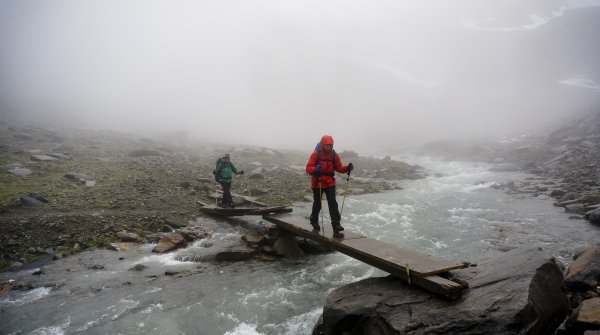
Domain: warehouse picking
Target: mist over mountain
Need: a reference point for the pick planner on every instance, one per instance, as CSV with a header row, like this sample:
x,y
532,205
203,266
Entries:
x,y
281,74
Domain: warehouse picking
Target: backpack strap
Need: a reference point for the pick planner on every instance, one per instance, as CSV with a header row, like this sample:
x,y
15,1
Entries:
x,y
332,174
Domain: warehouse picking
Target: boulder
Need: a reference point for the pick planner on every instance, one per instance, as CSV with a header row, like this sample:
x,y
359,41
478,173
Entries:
x,y
18,171
129,237
588,317
584,272
79,177
31,201
235,254
593,216
519,292
124,246
287,247
39,197
170,241
43,158
253,239
60,155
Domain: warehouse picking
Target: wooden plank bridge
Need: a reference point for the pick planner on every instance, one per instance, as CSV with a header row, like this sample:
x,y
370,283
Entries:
x,y
413,267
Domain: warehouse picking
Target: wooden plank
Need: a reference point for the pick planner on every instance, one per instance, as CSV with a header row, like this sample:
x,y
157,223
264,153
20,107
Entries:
x,y
419,263
413,267
239,211
301,226
247,199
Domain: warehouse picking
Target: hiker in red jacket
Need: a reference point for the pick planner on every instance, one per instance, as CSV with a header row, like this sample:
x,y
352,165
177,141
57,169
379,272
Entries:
x,y
322,165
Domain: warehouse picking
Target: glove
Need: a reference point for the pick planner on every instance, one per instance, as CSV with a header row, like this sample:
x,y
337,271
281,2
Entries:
x,y
318,168
350,168
242,172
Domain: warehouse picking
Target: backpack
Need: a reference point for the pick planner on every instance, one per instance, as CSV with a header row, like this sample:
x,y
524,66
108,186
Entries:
x,y
218,168
332,159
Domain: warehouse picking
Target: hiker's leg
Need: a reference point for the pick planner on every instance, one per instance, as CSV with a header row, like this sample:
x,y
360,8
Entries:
x,y
334,212
316,207
227,200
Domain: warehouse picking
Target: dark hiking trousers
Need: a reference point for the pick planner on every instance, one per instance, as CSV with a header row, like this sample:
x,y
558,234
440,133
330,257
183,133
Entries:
x,y
334,212
227,199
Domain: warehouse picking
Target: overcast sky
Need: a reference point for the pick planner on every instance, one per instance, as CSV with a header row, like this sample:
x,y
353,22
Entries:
x,y
281,73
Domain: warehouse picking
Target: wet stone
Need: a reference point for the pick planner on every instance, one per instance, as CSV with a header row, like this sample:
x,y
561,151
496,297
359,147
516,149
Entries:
x,y
39,197
31,202
59,155
20,171
44,158
79,177
138,267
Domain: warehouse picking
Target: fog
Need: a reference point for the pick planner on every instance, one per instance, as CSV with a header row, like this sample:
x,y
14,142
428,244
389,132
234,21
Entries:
x,y
281,73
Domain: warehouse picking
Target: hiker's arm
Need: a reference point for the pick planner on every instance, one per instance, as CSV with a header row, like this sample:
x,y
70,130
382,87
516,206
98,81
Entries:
x,y
310,165
337,164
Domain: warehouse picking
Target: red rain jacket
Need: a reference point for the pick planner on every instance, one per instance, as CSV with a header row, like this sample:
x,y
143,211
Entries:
x,y
328,167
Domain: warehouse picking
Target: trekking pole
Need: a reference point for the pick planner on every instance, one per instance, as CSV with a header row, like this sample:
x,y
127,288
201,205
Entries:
x,y
322,215
345,193
216,196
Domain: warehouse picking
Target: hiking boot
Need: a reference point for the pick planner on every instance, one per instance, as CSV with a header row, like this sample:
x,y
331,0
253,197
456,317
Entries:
x,y
315,226
337,227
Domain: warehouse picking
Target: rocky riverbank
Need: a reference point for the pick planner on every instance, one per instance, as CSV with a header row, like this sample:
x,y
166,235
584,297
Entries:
x,y
64,191
520,292
524,291
566,161
67,190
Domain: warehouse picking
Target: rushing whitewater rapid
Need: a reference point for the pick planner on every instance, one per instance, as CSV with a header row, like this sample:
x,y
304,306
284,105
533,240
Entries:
x,y
453,214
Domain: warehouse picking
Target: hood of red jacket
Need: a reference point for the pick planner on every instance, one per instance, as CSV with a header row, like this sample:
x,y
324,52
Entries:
x,y
326,139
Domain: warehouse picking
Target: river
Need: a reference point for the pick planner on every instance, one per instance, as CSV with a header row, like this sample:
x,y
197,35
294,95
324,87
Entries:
x,y
453,214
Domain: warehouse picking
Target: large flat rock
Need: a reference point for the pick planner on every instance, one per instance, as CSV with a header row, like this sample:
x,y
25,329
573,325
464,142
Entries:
x,y
520,292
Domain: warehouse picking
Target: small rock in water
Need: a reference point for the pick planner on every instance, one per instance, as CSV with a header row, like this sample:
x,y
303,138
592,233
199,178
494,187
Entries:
x,y
138,267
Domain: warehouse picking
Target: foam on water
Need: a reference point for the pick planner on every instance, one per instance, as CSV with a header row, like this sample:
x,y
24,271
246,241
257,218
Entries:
x,y
161,260
244,329
17,298
299,324
53,330
122,307
152,308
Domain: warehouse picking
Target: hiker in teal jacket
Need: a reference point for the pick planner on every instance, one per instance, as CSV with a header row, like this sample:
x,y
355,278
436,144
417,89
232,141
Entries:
x,y
223,175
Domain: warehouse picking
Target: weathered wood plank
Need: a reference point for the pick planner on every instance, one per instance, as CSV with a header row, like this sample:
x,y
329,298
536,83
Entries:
x,y
249,200
413,267
239,211
419,263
